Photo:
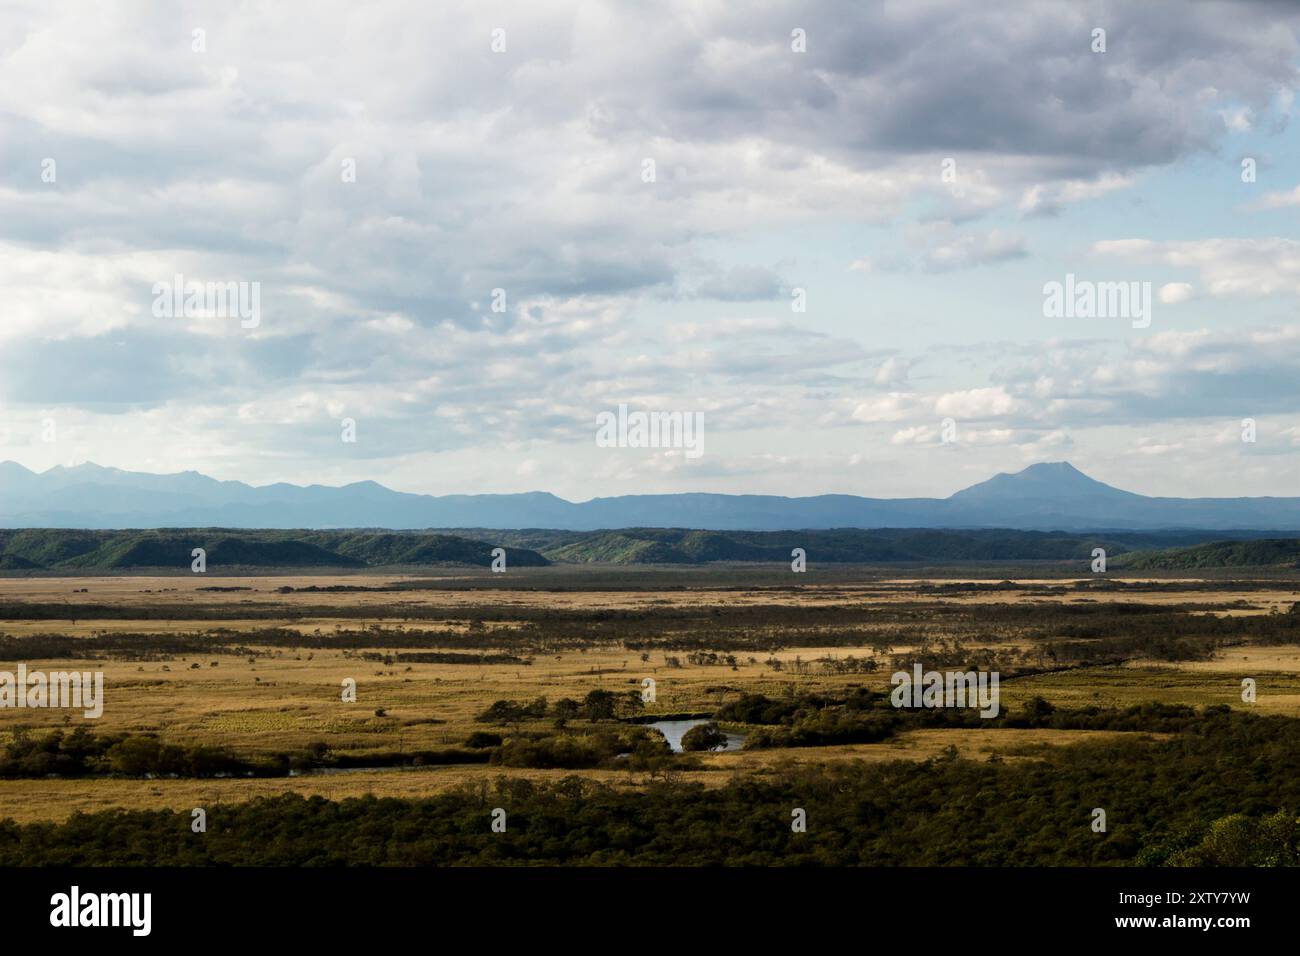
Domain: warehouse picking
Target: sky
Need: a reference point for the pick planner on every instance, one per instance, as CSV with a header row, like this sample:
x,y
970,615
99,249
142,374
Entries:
x,y
825,229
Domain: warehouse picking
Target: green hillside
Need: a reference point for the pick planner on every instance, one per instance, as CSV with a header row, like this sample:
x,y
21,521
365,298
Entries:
x,y
90,551
851,545
1269,552
83,551
374,548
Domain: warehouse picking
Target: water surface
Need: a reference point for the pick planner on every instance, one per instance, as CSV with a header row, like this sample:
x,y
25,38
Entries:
x,y
674,730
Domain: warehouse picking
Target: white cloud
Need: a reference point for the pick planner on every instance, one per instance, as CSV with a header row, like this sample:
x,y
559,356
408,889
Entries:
x,y
976,403
916,435
1279,200
1048,199
1227,267
968,249
892,372
887,408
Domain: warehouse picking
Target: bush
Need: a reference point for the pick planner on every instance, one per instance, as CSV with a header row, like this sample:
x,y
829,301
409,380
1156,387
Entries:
x,y
704,737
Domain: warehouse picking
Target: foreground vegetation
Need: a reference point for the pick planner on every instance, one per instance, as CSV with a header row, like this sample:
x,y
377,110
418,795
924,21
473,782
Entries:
x,y
1221,792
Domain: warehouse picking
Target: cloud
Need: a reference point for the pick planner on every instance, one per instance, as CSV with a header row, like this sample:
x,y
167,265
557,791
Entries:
x,y
1176,293
916,435
892,372
940,246
523,171
739,284
475,169
1050,199
970,249
1164,377
1227,267
1279,200
976,403
886,408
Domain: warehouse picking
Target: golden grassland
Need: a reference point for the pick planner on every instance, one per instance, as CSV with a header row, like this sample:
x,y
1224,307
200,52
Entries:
x,y
284,699
472,588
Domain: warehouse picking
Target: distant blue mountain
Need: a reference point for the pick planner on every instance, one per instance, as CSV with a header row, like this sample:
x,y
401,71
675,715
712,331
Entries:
x,y
1048,496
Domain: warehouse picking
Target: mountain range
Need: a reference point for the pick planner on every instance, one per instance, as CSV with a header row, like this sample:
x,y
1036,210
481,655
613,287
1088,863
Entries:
x,y
1046,496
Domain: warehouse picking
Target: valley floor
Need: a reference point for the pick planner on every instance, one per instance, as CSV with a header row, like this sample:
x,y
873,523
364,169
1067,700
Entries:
x,y
263,660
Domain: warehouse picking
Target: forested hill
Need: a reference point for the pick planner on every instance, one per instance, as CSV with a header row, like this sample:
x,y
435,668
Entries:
x,y
76,551
1269,552
89,551
849,545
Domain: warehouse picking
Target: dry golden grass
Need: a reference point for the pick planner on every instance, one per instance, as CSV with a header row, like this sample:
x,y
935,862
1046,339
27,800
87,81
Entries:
x,y
285,702
182,590
286,699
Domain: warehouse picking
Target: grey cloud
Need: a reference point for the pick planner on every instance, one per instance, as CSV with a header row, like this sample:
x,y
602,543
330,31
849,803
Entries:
x,y
1193,376
740,284
131,369
935,77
